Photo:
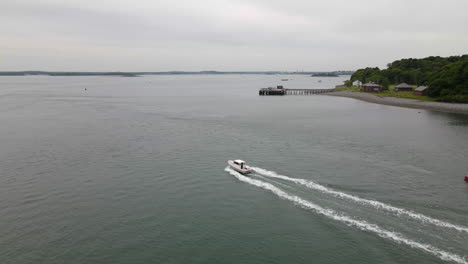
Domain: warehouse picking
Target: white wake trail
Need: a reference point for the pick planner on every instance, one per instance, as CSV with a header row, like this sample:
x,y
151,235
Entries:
x,y
362,225
379,205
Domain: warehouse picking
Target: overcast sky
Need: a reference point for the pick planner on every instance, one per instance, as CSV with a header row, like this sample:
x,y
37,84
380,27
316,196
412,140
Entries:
x,y
163,35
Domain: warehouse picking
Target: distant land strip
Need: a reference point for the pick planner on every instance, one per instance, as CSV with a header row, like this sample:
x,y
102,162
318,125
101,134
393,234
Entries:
x,y
134,74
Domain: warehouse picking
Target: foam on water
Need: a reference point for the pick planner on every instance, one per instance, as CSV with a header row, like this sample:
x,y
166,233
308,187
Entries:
x,y
361,224
379,205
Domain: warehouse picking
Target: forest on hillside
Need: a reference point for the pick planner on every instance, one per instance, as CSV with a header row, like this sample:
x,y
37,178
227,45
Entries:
x,y
447,77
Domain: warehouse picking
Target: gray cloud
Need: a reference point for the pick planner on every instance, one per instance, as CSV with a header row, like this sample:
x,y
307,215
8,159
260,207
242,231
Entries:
x,y
226,34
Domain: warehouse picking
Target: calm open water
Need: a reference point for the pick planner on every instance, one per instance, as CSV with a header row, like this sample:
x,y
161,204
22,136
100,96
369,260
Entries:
x,y
133,170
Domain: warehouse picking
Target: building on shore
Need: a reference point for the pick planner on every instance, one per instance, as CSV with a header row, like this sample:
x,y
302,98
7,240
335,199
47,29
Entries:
x,y
357,83
421,90
403,87
371,87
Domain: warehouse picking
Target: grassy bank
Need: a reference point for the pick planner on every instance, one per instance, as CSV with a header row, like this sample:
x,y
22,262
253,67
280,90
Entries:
x,y
349,89
391,93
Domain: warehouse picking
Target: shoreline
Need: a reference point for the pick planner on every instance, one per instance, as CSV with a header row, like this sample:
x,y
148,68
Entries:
x,y
403,102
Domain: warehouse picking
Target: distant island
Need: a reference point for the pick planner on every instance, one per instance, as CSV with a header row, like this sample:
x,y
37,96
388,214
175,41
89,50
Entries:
x,y
325,74
434,78
135,74
129,75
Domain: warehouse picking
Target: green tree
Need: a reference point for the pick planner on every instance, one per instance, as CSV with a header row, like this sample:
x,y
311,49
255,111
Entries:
x,y
363,75
446,77
450,83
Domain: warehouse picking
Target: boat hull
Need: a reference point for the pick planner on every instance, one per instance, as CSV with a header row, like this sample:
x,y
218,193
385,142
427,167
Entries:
x,y
244,170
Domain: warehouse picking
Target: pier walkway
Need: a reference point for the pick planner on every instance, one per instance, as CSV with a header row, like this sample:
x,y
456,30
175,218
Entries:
x,y
284,91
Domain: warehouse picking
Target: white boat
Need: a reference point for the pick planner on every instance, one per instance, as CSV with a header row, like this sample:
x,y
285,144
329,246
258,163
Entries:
x,y
239,166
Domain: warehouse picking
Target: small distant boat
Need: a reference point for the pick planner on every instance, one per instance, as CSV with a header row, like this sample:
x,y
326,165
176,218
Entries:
x,y
239,166
466,177
284,80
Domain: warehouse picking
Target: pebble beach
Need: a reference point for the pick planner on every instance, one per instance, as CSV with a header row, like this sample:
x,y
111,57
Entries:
x,y
403,102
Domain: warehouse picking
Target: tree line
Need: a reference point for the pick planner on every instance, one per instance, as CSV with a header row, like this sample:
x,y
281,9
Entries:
x,y
447,77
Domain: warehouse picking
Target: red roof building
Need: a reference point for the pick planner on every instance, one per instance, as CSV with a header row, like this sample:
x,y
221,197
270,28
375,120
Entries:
x,y
371,87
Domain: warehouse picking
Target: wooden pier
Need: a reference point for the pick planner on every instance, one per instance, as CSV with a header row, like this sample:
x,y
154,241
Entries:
x,y
307,91
283,91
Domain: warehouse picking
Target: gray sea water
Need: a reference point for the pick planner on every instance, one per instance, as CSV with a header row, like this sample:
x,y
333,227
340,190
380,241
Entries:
x,y
133,170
